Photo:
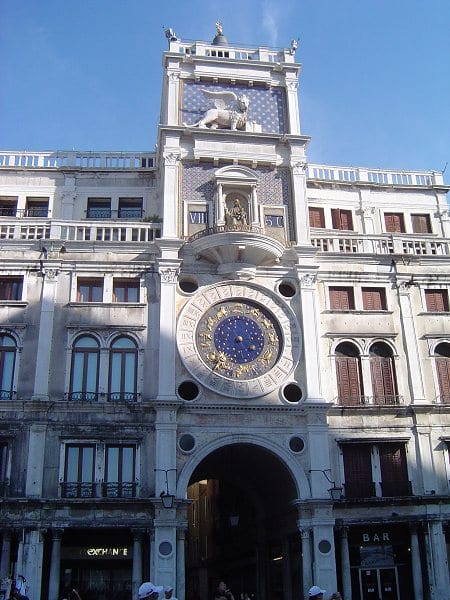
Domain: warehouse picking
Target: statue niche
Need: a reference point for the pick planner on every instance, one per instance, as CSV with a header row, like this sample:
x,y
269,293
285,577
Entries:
x,y
236,215
229,112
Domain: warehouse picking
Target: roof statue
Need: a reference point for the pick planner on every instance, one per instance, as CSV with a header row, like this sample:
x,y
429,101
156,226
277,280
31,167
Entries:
x,y
229,112
170,35
219,38
219,28
294,46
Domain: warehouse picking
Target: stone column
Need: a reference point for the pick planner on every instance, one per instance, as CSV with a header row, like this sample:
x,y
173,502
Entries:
x,y
255,213
416,564
181,574
220,208
323,552
299,203
137,562
366,377
55,565
43,354
35,463
410,334
292,104
173,94
168,270
32,546
170,189
305,534
6,554
310,327
439,554
345,564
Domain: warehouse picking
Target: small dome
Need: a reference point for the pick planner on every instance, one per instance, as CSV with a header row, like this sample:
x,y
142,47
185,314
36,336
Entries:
x,y
220,39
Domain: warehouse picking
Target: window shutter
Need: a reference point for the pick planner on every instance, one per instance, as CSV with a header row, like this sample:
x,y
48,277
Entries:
x,y
341,298
346,220
358,470
372,299
394,222
443,372
348,379
436,300
383,382
335,218
316,217
393,463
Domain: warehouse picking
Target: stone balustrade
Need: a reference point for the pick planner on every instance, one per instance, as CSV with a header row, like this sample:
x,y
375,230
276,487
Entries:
x,y
375,176
78,160
381,244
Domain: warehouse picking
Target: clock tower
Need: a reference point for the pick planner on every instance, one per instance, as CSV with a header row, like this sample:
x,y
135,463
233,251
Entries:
x,y
238,315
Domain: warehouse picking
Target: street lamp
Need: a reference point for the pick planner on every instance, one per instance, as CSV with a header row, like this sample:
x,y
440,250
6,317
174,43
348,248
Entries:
x,y
166,498
335,491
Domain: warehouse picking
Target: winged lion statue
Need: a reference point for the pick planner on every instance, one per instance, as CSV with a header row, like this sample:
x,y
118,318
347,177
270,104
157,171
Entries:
x,y
230,111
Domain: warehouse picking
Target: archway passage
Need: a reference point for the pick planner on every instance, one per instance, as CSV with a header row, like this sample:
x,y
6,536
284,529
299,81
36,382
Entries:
x,y
242,526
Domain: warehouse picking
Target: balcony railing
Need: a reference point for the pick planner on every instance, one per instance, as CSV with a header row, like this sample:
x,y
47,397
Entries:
x,y
122,397
78,160
382,244
91,489
82,396
226,229
7,394
4,488
107,213
374,176
80,231
387,400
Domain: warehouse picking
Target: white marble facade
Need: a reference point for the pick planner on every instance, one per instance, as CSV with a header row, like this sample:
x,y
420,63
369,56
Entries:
x,y
142,319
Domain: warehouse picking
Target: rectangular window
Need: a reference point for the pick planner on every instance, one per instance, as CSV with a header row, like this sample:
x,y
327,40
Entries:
x,y
342,298
342,219
89,290
11,288
120,477
436,300
8,206
126,290
79,471
374,298
98,208
394,222
358,471
36,207
394,472
421,223
130,208
316,217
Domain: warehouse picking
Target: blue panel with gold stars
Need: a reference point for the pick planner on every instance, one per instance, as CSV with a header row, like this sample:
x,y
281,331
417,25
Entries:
x,y
266,105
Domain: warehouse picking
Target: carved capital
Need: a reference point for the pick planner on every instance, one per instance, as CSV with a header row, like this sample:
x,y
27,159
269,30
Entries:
x,y
299,167
308,280
173,76
50,273
292,86
169,274
443,214
366,211
171,159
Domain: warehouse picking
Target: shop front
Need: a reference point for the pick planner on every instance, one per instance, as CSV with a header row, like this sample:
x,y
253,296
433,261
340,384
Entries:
x,y
380,560
99,567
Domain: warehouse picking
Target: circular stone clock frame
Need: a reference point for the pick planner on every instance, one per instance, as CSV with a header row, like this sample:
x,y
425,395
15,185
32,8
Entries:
x,y
238,340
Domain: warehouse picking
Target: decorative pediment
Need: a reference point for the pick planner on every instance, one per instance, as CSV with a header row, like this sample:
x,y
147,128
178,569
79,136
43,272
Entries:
x,y
236,174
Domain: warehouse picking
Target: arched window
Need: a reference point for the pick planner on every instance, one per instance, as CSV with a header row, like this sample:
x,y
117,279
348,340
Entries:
x,y
442,353
8,350
84,371
384,384
348,373
123,370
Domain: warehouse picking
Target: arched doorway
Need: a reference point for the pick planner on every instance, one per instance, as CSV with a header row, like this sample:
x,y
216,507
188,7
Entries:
x,y
242,527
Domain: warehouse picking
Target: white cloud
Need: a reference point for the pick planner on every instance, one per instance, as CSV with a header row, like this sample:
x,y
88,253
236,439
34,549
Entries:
x,y
270,22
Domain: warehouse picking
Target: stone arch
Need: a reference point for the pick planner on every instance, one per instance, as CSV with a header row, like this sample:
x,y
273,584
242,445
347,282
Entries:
x,y
290,462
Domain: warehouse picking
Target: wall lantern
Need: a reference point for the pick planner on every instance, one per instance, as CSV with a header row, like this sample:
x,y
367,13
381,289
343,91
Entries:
x,y
335,491
166,498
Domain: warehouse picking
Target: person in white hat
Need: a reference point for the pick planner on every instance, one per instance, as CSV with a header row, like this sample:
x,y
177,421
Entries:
x,y
316,593
149,591
168,593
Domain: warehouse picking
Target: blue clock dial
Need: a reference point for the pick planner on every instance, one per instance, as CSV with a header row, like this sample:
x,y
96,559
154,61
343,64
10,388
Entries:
x,y
241,338
238,339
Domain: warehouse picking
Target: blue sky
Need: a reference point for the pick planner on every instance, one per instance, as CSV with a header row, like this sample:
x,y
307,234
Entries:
x,y
374,88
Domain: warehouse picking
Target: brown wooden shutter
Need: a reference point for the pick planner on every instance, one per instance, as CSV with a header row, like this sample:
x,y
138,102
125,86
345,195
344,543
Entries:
x,y
358,470
342,298
316,217
394,472
421,223
348,379
394,222
383,382
443,372
373,299
436,300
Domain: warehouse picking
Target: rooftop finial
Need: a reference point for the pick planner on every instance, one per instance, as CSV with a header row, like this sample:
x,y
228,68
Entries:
x,y
219,39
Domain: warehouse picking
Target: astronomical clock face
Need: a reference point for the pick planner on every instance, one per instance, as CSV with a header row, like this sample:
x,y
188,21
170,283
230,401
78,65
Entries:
x,y
238,340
